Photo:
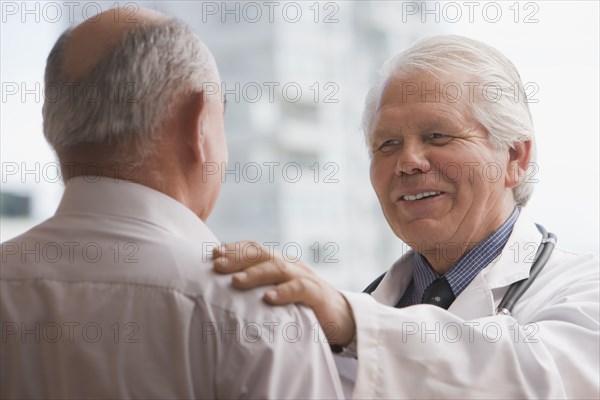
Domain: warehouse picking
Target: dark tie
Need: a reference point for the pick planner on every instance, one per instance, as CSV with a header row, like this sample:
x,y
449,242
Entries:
x,y
439,293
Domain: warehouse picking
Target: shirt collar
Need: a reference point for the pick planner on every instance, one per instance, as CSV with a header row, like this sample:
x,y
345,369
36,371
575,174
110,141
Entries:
x,y
125,199
468,266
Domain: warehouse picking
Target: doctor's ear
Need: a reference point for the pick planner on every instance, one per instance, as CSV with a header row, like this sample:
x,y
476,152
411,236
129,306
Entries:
x,y
518,162
195,137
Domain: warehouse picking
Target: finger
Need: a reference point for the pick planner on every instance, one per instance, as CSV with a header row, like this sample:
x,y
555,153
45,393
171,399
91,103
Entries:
x,y
300,290
224,266
224,248
237,248
236,256
331,308
266,273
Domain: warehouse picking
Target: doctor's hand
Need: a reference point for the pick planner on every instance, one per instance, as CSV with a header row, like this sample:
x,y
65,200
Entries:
x,y
253,265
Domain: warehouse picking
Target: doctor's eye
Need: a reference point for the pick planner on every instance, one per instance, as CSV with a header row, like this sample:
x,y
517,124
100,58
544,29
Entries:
x,y
439,138
388,145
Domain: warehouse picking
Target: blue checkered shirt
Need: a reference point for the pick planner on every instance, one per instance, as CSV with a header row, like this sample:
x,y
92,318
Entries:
x,y
464,270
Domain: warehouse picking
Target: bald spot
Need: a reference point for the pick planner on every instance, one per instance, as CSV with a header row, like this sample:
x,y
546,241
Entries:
x,y
91,40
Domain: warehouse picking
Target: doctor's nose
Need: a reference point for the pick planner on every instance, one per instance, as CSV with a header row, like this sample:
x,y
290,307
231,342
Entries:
x,y
412,160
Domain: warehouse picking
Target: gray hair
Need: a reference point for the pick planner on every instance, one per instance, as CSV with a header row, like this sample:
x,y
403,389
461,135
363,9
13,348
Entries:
x,y
129,93
506,118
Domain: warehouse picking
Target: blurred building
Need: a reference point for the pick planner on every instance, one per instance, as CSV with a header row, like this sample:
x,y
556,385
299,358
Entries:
x,y
332,53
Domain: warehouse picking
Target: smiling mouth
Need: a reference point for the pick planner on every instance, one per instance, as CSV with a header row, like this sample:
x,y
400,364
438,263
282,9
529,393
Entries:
x,y
419,196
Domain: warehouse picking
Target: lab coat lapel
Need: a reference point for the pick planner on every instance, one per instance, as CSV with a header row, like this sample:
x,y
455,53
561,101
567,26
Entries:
x,y
481,297
475,301
396,281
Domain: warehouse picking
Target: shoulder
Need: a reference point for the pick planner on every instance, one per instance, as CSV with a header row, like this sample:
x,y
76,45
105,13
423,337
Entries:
x,y
564,255
218,297
126,252
568,284
570,268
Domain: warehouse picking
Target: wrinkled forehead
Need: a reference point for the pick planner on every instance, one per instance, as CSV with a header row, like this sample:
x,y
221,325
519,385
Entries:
x,y
423,99
453,87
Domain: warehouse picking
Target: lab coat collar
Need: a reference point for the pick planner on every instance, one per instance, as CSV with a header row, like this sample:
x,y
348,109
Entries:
x,y
125,199
481,296
395,281
517,257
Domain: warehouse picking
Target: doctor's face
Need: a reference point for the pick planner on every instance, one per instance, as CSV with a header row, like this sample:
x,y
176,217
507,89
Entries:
x,y
440,182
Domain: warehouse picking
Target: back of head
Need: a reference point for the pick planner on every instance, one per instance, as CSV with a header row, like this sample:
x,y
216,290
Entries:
x,y
495,94
123,97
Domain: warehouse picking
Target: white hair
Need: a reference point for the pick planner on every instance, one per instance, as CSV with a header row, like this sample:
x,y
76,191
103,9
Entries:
x,y
507,118
129,93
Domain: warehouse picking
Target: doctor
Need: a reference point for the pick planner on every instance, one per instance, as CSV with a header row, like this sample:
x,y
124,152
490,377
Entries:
x,y
451,139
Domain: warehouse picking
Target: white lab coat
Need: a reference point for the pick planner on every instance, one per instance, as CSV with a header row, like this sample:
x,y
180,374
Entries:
x,y
548,348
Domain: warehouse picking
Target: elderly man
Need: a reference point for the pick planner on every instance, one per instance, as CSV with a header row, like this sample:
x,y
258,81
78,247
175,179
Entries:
x,y
451,137
114,297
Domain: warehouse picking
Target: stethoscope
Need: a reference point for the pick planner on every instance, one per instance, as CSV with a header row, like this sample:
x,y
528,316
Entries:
x,y
516,290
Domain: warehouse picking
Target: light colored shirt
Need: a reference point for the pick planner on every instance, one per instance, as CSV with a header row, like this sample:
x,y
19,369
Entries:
x,y
115,297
